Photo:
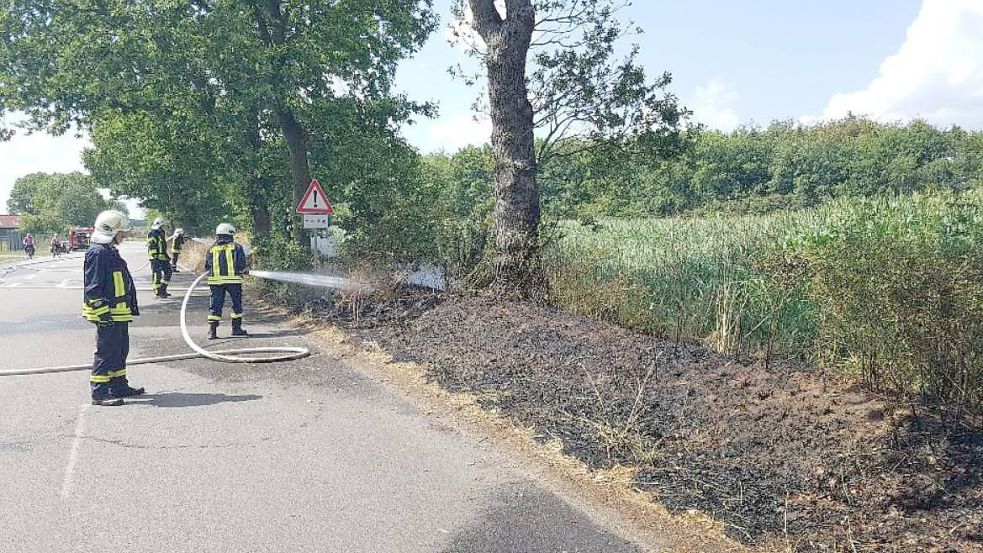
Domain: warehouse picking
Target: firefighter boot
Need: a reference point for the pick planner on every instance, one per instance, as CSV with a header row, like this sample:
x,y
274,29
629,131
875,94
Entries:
x,y
162,292
128,392
213,330
237,329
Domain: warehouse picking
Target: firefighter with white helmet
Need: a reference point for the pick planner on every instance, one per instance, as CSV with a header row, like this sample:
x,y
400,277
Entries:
x,y
110,302
178,240
160,260
225,264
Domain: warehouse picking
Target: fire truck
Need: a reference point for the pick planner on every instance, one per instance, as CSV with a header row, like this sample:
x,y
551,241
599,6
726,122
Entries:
x,y
78,238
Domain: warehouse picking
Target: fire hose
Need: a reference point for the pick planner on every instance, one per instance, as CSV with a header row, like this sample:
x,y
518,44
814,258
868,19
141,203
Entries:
x,y
240,355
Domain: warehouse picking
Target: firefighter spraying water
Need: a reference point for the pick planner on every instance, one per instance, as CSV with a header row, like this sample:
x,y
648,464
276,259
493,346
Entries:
x,y
110,303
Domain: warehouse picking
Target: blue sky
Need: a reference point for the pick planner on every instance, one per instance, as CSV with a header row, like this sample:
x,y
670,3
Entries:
x,y
760,59
754,61
733,62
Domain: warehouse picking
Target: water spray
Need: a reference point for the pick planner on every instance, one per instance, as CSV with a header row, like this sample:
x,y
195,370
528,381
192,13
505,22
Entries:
x,y
308,279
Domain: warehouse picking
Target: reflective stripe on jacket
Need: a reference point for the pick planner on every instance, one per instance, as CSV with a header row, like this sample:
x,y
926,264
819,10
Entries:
x,y
108,286
157,246
225,263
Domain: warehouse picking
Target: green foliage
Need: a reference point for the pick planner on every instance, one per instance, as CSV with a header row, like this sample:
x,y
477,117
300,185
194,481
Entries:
x,y
761,170
281,255
167,163
378,178
886,289
216,109
463,207
52,202
898,286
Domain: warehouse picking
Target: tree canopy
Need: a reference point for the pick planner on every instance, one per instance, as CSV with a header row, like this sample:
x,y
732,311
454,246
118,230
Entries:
x,y
781,166
217,103
52,202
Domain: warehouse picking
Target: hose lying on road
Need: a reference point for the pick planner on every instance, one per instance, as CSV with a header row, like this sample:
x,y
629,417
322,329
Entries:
x,y
241,355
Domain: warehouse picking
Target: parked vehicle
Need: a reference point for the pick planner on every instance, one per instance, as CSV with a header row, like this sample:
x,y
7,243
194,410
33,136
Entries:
x,y
79,238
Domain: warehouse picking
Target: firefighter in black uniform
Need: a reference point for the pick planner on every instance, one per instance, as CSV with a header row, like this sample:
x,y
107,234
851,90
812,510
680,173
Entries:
x,y
178,239
110,301
225,264
160,261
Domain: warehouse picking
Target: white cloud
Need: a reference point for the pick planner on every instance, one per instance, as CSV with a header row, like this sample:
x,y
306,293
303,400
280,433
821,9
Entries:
x,y
39,152
937,73
713,105
457,131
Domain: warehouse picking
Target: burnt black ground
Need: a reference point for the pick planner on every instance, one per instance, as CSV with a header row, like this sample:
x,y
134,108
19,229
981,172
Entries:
x,y
783,455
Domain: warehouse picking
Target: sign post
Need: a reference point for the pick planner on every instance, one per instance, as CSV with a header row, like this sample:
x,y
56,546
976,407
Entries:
x,y
316,209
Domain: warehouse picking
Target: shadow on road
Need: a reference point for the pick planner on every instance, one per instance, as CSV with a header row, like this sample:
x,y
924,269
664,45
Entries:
x,y
528,519
179,399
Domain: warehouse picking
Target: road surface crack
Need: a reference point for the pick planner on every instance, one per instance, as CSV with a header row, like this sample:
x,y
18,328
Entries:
x,y
128,445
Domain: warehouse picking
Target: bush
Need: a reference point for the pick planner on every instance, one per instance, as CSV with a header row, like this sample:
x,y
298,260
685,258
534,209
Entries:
x,y
899,288
284,255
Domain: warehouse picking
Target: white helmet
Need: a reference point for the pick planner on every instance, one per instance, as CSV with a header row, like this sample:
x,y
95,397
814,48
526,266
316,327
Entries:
x,y
108,224
225,228
158,222
179,231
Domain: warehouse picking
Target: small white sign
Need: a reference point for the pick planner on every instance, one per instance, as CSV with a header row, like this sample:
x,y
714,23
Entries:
x,y
315,221
324,246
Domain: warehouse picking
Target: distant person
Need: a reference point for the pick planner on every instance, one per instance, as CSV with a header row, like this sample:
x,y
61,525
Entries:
x,y
160,261
28,243
110,301
225,264
55,245
178,239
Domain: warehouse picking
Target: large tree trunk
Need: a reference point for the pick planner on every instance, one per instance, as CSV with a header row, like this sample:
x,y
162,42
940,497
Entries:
x,y
259,184
517,202
260,211
297,143
271,23
299,166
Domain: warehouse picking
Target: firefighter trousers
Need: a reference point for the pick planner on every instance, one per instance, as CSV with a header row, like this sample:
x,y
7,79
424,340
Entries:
x,y
217,302
109,363
161,274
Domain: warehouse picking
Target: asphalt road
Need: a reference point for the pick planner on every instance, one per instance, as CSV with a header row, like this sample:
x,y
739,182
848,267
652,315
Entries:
x,y
312,455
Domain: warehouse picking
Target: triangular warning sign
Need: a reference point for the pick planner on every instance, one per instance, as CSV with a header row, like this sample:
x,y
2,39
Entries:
x,y
315,201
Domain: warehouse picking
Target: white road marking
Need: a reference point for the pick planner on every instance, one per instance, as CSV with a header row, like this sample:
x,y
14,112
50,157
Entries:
x,y
73,455
13,285
65,283
31,276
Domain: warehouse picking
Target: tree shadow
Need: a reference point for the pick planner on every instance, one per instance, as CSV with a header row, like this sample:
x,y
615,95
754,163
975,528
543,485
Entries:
x,y
179,399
